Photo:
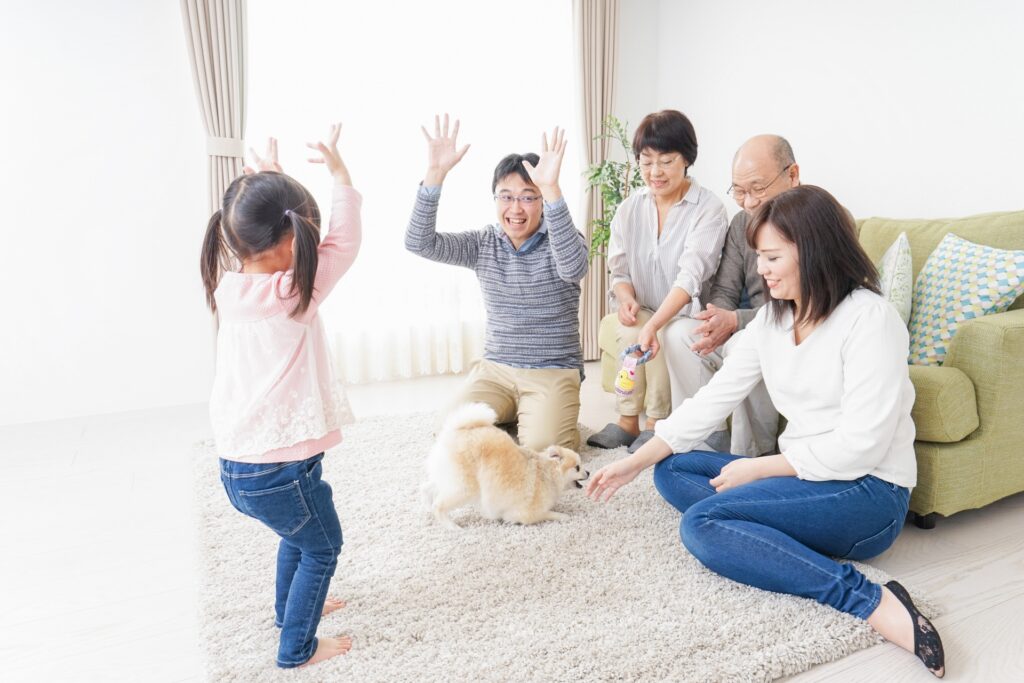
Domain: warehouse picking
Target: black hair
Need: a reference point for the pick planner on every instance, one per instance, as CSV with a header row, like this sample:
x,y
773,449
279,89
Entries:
x,y
666,131
258,212
513,163
831,261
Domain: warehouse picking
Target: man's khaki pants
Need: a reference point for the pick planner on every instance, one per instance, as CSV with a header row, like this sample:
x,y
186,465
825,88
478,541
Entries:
x,y
545,402
755,422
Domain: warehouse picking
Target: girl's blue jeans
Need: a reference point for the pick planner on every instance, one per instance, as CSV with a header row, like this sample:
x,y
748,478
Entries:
x,y
292,499
782,533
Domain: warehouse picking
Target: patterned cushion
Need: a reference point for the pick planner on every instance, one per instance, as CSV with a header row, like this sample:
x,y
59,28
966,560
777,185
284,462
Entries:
x,y
960,281
896,276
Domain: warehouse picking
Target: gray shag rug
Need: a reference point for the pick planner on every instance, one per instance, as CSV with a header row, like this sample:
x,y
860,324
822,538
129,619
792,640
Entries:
x,y
609,595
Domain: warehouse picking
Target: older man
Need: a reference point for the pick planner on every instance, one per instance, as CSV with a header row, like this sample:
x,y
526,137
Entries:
x,y
695,348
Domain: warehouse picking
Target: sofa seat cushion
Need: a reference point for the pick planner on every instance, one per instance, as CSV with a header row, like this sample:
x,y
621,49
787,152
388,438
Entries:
x,y
945,409
606,334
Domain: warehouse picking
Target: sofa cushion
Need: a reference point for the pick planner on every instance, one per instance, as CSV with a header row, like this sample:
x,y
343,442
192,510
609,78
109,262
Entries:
x,y
896,276
606,339
960,281
945,408
1003,230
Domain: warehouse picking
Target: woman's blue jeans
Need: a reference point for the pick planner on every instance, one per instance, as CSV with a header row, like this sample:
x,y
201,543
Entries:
x,y
781,533
292,499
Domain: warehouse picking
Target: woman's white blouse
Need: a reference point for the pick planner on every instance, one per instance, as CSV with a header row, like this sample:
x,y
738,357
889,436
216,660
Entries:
x,y
845,392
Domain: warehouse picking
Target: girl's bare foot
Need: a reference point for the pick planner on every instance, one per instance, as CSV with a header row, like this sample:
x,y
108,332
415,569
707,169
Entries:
x,y
332,605
329,647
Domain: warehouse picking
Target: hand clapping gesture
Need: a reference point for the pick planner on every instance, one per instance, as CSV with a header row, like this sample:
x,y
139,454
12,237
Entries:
x,y
330,157
545,174
442,152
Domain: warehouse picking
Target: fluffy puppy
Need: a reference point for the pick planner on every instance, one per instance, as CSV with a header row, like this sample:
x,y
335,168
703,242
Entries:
x,y
474,461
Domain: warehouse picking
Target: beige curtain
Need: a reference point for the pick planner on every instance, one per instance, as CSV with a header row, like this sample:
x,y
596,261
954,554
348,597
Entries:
x,y
215,36
594,24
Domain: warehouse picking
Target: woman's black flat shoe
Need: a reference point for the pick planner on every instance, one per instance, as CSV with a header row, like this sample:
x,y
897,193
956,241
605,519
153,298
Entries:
x,y
927,644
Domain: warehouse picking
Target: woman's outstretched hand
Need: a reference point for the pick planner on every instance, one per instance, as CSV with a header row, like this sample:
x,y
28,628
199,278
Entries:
x,y
610,478
267,162
442,150
545,174
329,155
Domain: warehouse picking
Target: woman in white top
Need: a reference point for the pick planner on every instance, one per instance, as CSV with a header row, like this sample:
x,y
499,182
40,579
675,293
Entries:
x,y
833,356
665,244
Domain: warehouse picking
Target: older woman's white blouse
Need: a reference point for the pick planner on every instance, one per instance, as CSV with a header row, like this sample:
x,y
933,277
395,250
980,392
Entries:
x,y
685,255
845,391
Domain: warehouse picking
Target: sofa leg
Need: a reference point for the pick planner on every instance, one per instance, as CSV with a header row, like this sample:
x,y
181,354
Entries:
x,y
925,521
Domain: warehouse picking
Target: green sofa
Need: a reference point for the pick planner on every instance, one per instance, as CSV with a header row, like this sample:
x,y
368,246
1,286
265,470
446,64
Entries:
x,y
969,413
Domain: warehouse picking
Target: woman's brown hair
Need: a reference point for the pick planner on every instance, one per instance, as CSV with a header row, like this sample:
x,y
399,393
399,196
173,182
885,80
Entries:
x,y
831,261
258,211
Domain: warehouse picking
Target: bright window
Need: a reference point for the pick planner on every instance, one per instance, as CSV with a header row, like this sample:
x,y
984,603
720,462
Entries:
x,y
384,69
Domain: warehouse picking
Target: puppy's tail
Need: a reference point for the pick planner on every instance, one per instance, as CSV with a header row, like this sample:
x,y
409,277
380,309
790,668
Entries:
x,y
468,416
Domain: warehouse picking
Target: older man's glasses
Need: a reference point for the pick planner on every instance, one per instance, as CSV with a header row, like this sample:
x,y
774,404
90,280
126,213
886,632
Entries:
x,y
757,191
508,199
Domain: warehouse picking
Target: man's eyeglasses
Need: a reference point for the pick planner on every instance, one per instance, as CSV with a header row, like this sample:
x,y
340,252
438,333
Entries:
x,y
525,200
756,191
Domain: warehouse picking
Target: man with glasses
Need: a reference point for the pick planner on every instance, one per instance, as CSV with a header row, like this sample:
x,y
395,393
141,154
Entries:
x,y
529,264
695,348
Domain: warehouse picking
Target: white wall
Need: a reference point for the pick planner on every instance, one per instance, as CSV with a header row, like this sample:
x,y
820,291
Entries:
x,y
104,209
636,86
904,109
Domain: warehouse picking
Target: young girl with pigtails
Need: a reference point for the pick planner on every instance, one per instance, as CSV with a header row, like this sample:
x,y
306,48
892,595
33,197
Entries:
x,y
275,406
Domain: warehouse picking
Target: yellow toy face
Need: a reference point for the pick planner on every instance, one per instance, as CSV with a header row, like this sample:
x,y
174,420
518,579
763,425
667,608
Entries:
x,y
624,382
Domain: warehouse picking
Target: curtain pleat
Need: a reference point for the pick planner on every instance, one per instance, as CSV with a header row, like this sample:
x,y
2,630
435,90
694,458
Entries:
x,y
595,23
215,37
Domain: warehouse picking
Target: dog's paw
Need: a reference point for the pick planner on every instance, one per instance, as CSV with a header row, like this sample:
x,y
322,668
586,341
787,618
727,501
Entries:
x,y
447,521
553,516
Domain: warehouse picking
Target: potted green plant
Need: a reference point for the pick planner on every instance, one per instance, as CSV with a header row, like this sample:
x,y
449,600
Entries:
x,y
614,179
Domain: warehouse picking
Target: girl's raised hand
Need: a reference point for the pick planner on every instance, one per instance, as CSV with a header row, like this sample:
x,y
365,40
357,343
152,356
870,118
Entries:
x,y
267,162
545,174
329,155
442,151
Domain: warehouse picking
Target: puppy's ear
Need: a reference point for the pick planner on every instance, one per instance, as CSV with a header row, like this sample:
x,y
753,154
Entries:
x,y
553,452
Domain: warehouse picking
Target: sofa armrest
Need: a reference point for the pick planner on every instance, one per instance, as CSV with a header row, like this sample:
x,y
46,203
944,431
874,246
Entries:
x,y
990,351
945,404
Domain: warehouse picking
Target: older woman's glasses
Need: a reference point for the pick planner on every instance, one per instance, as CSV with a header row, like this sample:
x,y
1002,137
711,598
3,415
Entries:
x,y
757,191
508,199
647,163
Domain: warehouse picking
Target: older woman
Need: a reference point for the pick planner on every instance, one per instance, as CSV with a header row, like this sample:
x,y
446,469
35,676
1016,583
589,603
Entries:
x,y
529,265
833,356
666,241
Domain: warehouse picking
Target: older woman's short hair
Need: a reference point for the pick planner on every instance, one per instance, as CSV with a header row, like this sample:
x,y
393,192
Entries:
x,y
832,262
666,131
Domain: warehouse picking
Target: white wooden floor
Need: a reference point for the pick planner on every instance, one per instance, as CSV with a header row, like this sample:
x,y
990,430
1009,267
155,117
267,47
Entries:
x,y
97,573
